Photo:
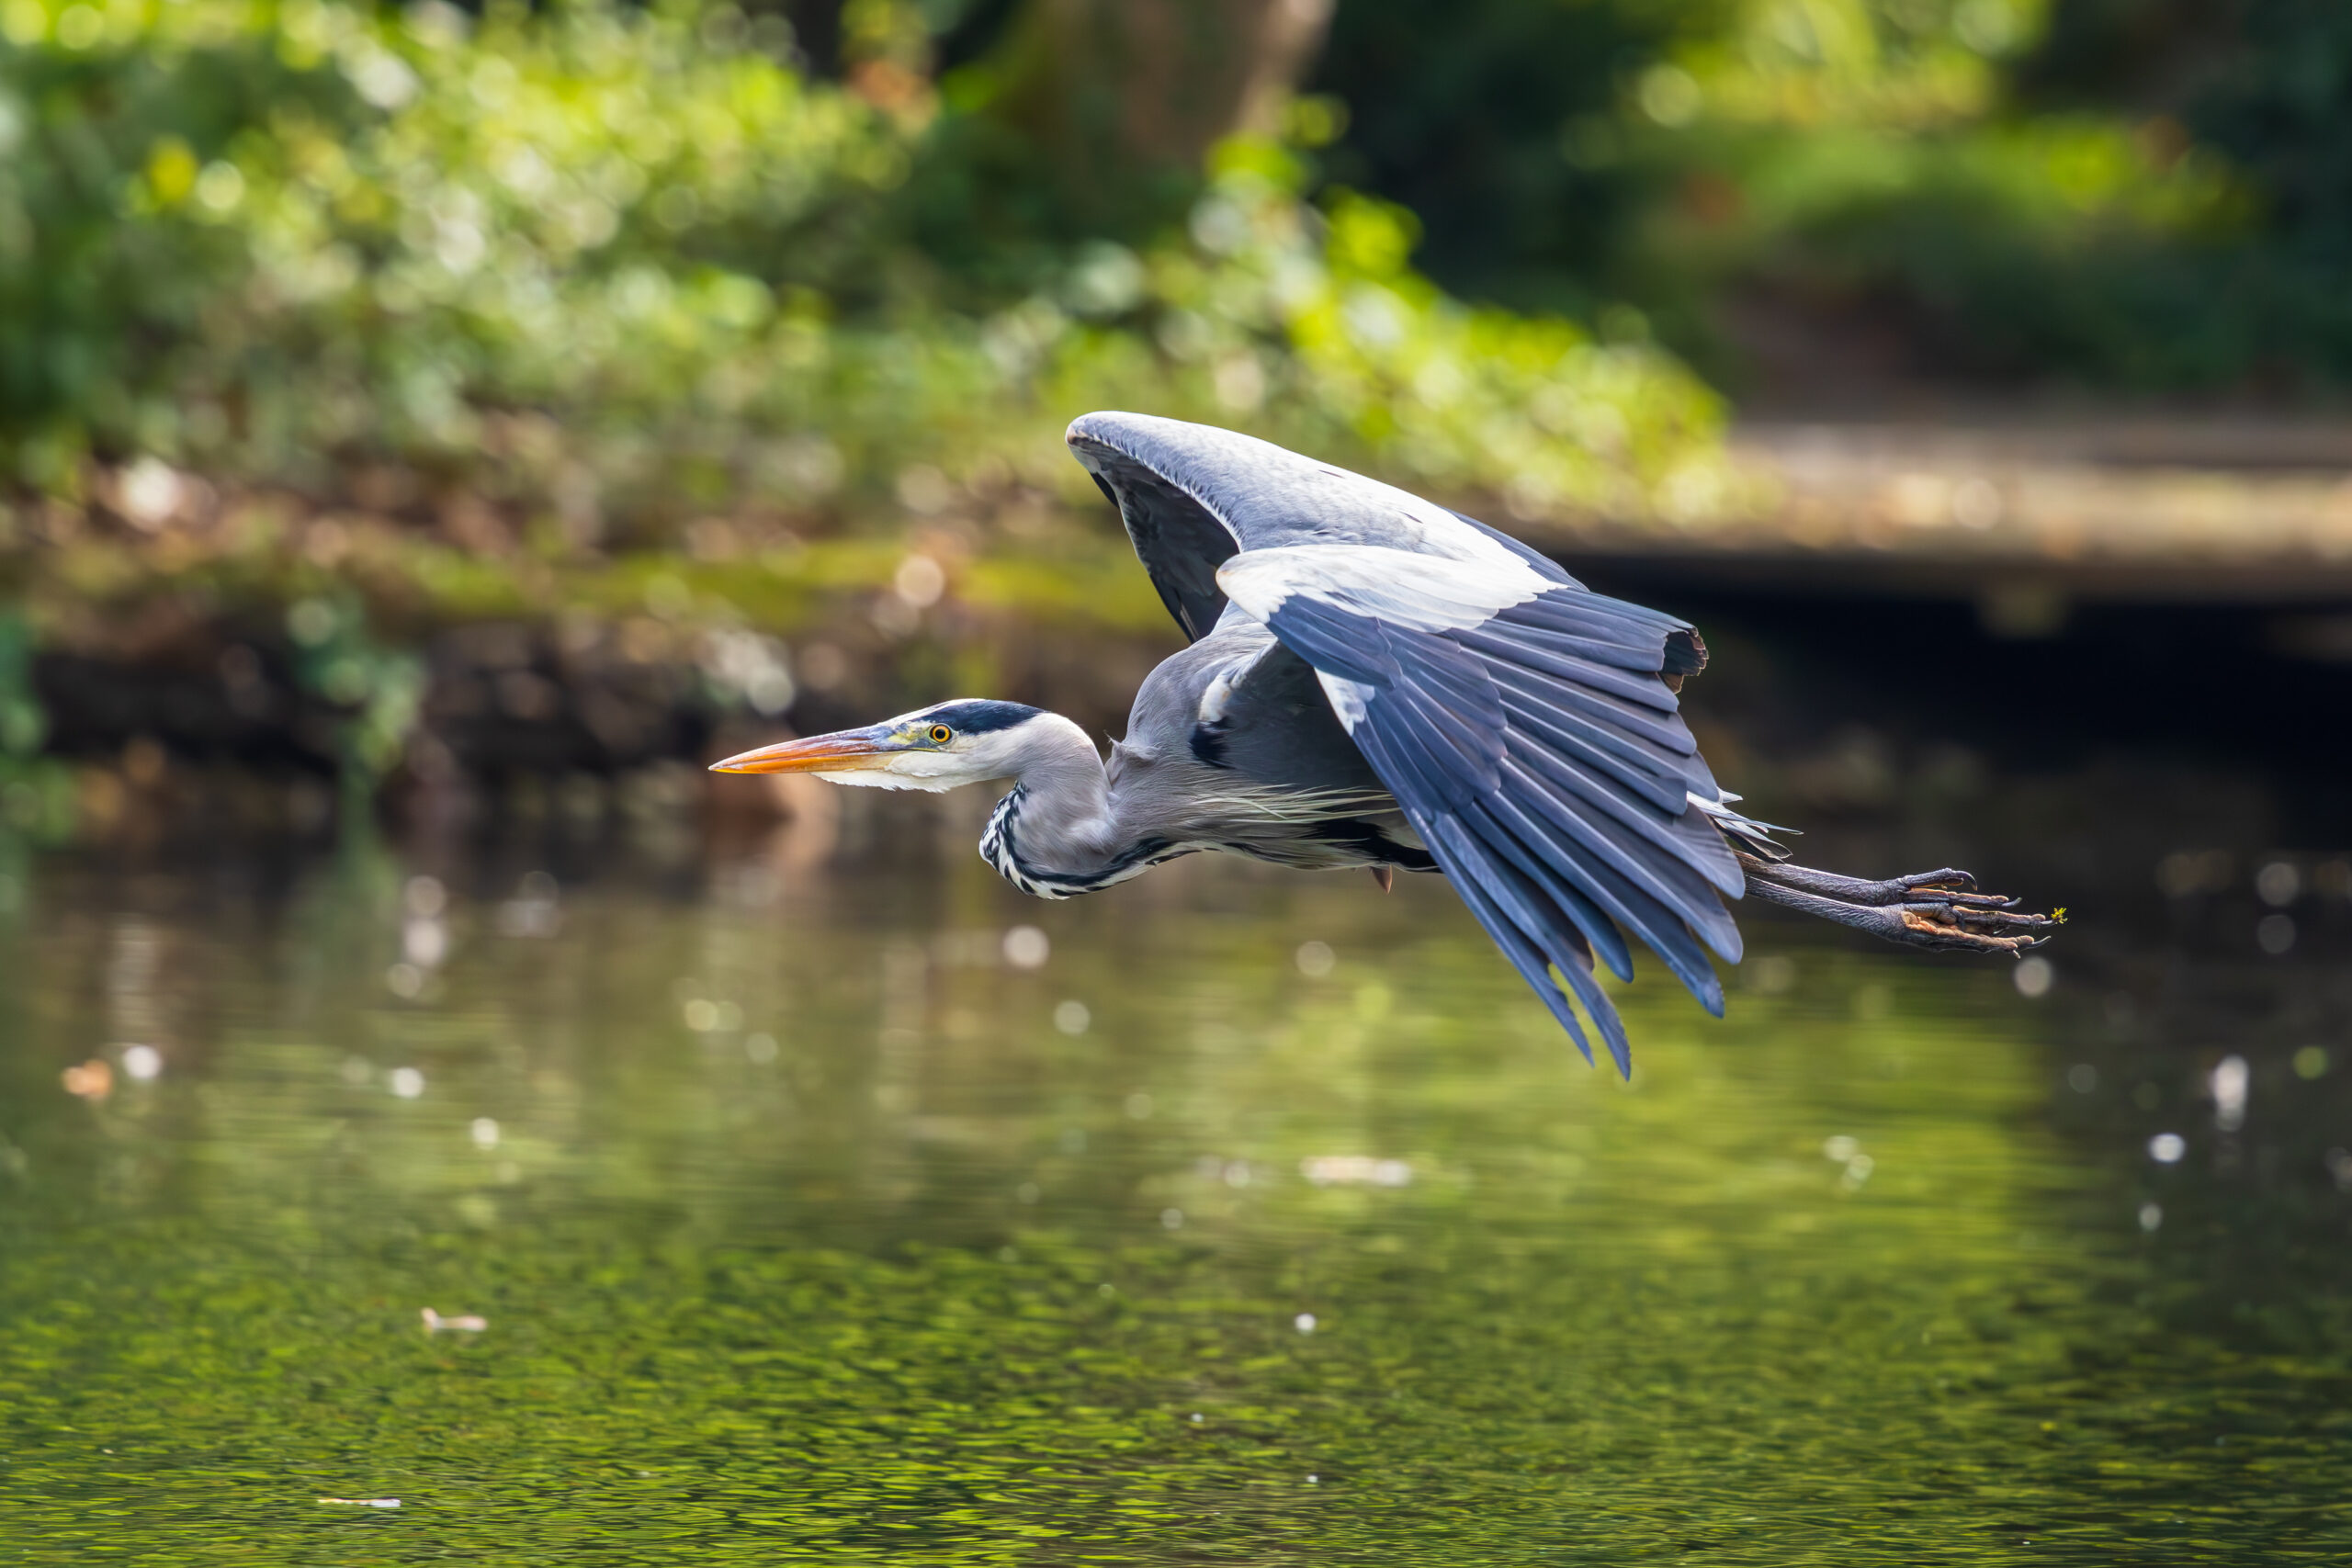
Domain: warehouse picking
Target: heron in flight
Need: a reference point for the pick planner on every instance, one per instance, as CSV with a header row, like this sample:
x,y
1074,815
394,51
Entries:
x,y
1374,681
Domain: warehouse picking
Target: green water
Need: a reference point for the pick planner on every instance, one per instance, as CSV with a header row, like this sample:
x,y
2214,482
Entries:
x,y
806,1229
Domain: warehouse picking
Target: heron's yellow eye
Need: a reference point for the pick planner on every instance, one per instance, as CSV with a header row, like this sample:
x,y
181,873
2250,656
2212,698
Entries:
x,y
940,735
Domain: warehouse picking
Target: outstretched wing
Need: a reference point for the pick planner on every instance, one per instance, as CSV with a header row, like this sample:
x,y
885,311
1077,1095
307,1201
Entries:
x,y
1191,496
1524,724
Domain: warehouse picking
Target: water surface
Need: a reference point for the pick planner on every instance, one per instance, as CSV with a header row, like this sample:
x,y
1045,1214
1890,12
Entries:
x,y
807,1227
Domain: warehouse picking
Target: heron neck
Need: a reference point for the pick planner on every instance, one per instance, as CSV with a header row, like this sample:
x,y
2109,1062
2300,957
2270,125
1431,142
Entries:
x,y
1064,799
1058,831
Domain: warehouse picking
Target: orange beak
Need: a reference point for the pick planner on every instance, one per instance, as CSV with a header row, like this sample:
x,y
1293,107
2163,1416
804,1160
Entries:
x,y
844,750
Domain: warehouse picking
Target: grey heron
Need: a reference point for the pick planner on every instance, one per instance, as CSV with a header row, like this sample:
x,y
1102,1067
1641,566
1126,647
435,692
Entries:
x,y
1375,680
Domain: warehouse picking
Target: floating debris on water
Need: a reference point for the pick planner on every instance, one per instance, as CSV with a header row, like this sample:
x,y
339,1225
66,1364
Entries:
x,y
361,1502
463,1323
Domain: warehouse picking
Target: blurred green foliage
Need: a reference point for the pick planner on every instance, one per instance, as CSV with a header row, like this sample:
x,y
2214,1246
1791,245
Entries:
x,y
22,727
614,267
35,795
611,269
364,320
376,689
426,315
2148,195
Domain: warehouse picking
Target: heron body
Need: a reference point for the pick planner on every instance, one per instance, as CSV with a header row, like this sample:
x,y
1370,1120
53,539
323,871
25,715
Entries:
x,y
1374,681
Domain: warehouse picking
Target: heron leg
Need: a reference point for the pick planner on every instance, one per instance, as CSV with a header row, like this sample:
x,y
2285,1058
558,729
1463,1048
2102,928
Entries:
x,y
1934,910
1958,885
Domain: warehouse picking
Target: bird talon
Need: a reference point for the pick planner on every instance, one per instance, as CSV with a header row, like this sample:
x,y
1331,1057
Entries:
x,y
1941,925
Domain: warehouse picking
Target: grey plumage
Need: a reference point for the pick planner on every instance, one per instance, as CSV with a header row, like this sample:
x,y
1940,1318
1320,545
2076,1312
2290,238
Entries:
x,y
1519,721
1375,680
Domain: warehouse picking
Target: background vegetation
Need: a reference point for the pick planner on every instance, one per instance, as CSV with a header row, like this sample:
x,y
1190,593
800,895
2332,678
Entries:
x,y
326,325
2123,194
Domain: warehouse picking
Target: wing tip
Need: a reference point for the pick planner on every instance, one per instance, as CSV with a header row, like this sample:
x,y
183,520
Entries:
x,y
1605,1017
1100,432
1083,441
1122,430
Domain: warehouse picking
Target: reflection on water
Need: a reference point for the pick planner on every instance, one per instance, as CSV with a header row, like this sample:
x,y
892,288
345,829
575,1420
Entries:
x,y
1230,1216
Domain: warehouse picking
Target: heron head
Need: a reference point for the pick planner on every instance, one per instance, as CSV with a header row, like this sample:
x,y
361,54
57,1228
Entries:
x,y
936,747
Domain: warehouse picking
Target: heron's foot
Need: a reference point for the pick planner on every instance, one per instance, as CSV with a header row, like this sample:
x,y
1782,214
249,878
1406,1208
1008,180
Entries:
x,y
1960,922
1953,889
1934,910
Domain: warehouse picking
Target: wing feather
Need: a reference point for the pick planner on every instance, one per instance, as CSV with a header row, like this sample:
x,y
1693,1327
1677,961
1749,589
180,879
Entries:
x,y
1605,752
1585,613
1545,808
1531,936
1525,849
1537,644
1666,734
1688,839
1655,896
1642,689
